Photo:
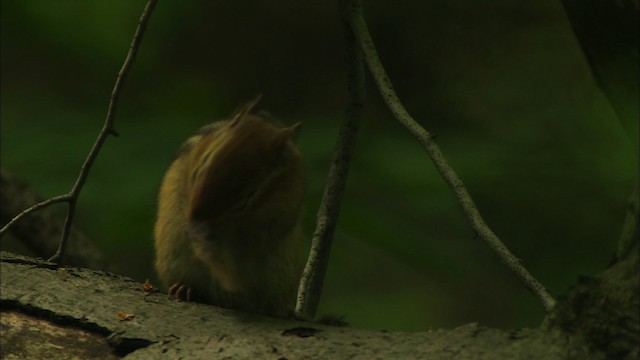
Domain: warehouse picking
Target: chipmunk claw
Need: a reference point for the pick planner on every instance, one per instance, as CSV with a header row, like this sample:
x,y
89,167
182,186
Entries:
x,y
180,292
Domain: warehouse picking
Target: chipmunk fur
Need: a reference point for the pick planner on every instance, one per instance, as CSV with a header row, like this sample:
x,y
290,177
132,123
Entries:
x,y
228,228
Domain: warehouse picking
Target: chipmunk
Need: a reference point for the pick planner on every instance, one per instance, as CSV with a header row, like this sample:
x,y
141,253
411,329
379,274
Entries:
x,y
228,229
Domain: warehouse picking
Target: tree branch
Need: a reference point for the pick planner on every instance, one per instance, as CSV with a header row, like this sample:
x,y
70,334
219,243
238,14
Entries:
x,y
108,129
361,33
608,35
597,319
630,227
163,328
38,206
313,276
607,32
40,231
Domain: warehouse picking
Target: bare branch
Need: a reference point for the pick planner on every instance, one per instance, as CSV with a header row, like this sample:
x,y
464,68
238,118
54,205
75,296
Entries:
x,y
629,235
40,231
607,33
107,129
327,218
361,33
38,206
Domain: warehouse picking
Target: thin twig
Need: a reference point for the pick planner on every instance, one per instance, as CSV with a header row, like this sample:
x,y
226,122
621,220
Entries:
x,y
40,231
107,129
38,206
327,218
361,33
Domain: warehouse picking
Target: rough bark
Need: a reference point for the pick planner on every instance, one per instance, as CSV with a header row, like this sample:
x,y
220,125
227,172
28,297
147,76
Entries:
x,y
28,337
603,312
583,327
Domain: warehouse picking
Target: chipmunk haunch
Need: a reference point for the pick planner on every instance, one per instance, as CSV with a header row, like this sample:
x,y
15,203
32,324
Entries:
x,y
228,228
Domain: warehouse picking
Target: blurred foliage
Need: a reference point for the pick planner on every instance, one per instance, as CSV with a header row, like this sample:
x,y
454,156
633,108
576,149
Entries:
x,y
504,85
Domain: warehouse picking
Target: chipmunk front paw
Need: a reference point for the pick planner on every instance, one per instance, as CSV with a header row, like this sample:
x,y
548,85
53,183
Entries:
x,y
180,292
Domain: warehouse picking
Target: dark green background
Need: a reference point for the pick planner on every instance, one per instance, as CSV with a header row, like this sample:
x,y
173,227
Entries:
x,y
503,84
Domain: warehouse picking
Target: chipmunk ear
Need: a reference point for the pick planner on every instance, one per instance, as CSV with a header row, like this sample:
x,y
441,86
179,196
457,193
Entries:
x,y
285,137
293,131
245,110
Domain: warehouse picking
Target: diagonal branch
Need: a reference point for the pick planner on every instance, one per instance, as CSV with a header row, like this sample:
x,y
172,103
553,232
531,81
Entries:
x,y
29,210
361,33
108,129
327,218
